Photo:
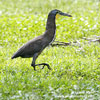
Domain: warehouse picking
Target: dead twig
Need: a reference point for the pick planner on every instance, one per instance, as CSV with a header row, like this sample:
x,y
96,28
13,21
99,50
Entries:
x,y
60,44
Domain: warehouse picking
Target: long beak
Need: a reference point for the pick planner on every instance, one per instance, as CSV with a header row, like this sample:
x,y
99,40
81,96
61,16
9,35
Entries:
x,y
65,14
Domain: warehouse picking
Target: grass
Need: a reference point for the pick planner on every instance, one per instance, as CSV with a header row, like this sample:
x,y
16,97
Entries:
x,y
76,68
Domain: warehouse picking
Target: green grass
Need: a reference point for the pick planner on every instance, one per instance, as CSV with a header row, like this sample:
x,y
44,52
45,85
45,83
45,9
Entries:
x,y
76,68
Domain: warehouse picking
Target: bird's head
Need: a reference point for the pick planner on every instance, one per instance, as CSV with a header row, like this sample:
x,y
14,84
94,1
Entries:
x,y
58,13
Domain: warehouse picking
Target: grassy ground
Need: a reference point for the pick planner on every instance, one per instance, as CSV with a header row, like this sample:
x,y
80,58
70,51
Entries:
x,y
76,68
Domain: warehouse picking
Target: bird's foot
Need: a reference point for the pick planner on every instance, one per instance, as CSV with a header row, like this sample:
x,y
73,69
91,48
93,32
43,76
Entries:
x,y
44,64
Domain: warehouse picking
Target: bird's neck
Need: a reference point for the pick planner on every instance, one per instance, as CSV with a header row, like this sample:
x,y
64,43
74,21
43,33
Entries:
x,y
50,29
50,25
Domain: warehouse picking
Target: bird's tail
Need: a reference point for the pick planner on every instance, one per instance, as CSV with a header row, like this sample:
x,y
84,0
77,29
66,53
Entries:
x,y
14,55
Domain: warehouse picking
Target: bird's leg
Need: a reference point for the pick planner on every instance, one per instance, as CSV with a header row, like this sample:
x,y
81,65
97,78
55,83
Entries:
x,y
33,65
33,61
44,64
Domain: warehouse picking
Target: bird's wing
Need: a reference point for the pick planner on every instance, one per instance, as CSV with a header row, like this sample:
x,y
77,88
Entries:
x,y
28,49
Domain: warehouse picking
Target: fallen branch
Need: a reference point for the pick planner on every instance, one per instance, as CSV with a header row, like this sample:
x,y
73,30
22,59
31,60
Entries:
x,y
57,43
65,43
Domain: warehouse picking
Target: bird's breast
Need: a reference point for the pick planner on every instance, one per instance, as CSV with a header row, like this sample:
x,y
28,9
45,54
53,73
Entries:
x,y
53,38
49,36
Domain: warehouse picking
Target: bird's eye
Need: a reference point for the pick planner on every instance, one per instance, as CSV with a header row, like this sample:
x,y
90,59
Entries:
x,y
59,11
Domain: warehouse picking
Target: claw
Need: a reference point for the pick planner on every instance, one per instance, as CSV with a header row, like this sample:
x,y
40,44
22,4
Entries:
x,y
49,68
43,67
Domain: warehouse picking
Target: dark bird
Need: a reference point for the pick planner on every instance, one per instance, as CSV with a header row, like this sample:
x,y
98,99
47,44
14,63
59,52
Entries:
x,y
34,47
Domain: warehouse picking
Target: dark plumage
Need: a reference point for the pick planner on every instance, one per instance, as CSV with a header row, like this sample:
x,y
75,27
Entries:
x,y
34,47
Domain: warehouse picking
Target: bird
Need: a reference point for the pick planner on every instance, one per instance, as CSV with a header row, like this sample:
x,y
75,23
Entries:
x,y
33,48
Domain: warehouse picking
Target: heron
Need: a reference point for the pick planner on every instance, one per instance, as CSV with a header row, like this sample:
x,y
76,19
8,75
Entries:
x,y
33,48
